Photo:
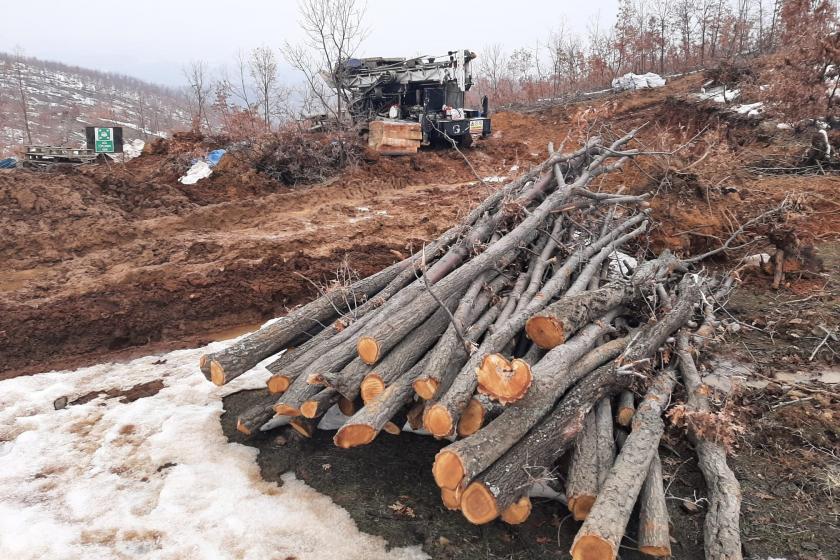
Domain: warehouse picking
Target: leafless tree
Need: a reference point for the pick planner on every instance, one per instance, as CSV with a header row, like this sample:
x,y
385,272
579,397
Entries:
x,y
18,74
262,65
334,30
199,91
493,64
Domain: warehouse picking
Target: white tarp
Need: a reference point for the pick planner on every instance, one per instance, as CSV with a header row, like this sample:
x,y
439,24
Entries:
x,y
638,81
198,171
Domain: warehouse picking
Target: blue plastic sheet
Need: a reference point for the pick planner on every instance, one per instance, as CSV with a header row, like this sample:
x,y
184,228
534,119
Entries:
x,y
8,163
214,157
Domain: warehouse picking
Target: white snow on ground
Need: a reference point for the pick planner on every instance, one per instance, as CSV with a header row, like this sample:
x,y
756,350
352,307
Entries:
x,y
718,94
154,478
750,109
494,179
133,148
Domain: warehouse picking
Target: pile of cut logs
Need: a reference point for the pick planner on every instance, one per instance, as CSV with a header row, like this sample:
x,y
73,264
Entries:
x,y
518,335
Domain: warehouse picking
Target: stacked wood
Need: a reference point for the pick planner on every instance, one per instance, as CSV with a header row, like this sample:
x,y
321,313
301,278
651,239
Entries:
x,y
510,334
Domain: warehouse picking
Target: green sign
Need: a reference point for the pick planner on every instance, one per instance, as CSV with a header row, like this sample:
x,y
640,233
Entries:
x,y
104,142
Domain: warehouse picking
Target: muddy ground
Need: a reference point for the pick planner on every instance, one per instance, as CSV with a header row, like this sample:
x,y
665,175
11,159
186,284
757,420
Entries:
x,y
111,261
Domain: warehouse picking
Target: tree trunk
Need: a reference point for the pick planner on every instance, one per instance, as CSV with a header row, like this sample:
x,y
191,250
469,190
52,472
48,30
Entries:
x,y
503,380
478,413
626,408
252,418
654,538
603,529
317,405
721,535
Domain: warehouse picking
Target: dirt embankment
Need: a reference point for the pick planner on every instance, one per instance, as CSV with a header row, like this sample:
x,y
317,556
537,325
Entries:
x,y
115,257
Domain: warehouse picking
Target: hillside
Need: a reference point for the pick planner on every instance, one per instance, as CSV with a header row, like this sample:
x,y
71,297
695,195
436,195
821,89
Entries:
x,y
61,100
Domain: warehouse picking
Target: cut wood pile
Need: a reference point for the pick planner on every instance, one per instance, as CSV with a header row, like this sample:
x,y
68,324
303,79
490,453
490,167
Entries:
x,y
522,334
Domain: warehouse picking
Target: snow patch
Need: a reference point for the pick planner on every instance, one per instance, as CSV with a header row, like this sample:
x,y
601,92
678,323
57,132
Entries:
x,y
133,148
154,478
750,109
494,179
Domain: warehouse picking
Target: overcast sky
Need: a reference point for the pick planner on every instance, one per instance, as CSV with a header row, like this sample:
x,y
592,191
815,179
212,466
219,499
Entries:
x,y
153,39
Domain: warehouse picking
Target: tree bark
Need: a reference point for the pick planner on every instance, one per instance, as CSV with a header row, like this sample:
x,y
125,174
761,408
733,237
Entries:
x,y
252,418
654,538
592,461
626,408
603,529
721,535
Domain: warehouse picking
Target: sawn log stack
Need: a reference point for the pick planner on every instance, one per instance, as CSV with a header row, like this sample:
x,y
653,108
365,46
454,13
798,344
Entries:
x,y
519,334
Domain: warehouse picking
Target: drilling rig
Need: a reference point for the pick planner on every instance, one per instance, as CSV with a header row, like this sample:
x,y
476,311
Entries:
x,y
408,103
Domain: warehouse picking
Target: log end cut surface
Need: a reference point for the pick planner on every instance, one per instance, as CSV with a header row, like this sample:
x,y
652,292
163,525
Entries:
x,y
372,386
285,410
354,435
426,387
448,470
309,409
217,373
545,332
581,506
277,384
590,547
657,551
368,350
518,512
502,380
242,427
625,416
451,498
471,419
306,429
438,421
478,505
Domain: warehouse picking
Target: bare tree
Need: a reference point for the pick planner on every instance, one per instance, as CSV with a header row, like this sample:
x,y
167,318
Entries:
x,y
334,30
493,65
262,65
199,91
18,74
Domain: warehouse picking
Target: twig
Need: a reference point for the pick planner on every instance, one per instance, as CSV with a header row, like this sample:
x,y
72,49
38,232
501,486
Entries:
x,y
458,330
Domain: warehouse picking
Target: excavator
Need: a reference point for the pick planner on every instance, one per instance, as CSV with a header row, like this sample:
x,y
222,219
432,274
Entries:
x,y
404,104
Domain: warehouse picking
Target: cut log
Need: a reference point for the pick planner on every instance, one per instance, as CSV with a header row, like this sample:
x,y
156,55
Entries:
x,y
592,461
503,380
601,533
478,413
553,325
346,406
318,405
721,534
582,480
517,513
654,538
578,307
251,419
626,408
466,458
510,476
277,384
220,367
364,426
304,426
